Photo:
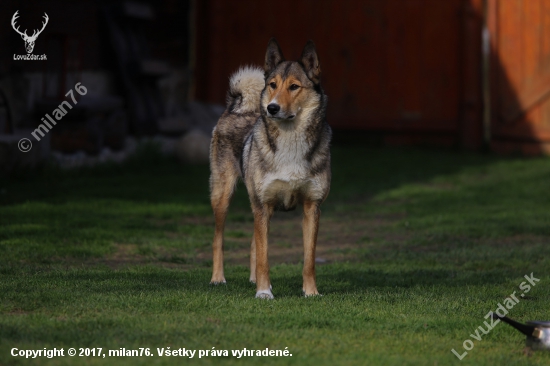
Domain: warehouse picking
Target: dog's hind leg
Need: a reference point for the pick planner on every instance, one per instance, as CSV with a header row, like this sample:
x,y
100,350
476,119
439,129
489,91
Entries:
x,y
262,215
222,183
253,261
310,224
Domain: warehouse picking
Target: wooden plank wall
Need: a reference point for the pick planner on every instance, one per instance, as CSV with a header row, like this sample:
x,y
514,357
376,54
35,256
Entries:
x,y
408,69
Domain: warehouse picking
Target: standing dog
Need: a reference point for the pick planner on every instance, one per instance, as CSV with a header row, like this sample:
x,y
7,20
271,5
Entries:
x,y
274,135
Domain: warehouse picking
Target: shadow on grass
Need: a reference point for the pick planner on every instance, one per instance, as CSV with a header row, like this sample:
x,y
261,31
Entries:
x,y
358,172
445,198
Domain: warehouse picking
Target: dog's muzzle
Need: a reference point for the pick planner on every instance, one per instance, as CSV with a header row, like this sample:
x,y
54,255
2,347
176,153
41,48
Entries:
x,y
274,111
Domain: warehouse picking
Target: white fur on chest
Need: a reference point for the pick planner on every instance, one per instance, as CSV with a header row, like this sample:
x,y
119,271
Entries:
x,y
284,176
289,162
289,175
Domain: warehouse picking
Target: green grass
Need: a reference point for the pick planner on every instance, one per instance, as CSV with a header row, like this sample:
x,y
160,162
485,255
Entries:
x,y
424,243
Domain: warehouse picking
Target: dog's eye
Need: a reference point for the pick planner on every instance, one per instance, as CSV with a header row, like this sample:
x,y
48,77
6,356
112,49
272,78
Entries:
x,y
273,85
294,87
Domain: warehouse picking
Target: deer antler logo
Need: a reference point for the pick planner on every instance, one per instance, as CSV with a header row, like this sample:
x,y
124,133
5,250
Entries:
x,y
29,41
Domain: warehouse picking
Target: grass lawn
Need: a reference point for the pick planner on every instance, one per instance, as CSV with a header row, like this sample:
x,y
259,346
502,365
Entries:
x,y
415,248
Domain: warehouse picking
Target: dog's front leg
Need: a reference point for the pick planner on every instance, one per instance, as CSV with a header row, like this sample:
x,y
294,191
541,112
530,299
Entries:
x,y
310,224
262,215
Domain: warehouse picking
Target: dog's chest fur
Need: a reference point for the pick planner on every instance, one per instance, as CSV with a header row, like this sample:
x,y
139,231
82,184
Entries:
x,y
288,162
279,169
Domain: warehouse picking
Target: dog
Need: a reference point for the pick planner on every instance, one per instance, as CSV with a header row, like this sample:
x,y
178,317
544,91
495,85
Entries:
x,y
275,137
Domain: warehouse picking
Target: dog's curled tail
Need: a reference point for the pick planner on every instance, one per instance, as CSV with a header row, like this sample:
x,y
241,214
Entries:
x,y
245,87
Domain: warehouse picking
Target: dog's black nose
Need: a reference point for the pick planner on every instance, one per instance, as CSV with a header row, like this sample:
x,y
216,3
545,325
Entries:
x,y
273,108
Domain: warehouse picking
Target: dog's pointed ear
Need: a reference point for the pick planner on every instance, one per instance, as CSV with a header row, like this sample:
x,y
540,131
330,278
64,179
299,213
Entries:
x,y
273,56
310,61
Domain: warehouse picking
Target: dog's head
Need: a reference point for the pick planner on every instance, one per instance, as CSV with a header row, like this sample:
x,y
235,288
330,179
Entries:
x,y
291,88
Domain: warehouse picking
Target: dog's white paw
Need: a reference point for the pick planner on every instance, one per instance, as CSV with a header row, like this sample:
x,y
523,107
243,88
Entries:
x,y
265,294
220,282
310,295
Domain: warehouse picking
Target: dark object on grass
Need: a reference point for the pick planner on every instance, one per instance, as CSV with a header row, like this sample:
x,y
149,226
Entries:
x,y
537,332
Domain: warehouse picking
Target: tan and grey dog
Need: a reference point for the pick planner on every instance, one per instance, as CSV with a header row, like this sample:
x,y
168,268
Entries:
x,y
274,135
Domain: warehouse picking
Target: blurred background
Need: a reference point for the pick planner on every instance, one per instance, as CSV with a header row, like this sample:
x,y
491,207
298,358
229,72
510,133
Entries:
x,y
434,216
466,74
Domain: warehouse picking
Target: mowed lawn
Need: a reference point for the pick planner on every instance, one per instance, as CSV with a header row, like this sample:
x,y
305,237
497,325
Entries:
x,y
415,248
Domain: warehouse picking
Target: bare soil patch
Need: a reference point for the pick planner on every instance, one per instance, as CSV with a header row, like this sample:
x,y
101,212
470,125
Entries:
x,y
338,238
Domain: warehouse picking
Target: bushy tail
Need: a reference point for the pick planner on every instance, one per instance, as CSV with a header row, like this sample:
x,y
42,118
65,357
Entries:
x,y
245,87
